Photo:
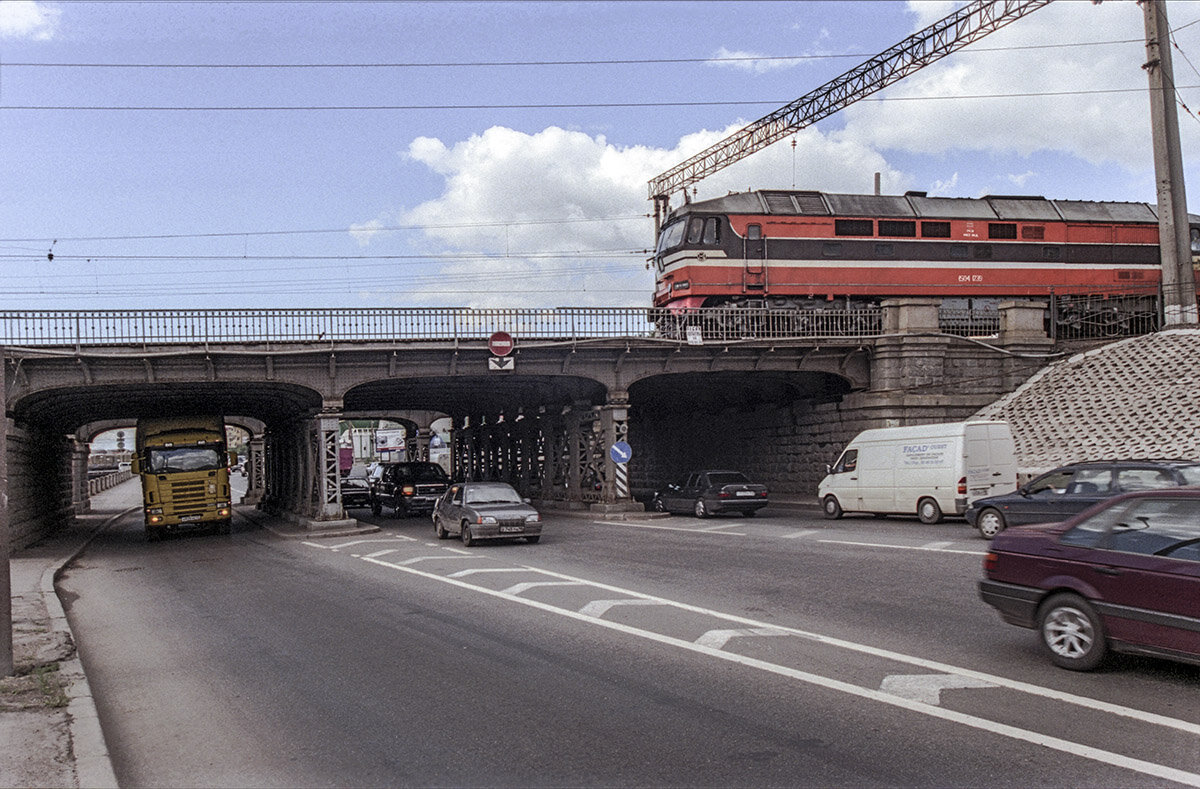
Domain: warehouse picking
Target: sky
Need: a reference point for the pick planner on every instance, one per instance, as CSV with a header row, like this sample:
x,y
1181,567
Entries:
x,y
263,155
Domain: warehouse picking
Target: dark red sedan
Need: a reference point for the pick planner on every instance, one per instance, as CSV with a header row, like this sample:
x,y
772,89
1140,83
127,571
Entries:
x,y
1124,575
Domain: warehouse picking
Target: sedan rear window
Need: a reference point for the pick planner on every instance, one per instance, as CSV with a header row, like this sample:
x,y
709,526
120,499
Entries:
x,y
728,478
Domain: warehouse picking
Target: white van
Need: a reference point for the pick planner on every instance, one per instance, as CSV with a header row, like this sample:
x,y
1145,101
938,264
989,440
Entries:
x,y
924,469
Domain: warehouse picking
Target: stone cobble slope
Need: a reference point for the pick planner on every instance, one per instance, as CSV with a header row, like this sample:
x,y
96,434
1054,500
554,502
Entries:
x,y
1137,398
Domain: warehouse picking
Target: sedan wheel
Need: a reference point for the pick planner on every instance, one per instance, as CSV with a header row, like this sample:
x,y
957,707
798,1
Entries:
x,y
467,539
658,504
1072,633
990,523
701,510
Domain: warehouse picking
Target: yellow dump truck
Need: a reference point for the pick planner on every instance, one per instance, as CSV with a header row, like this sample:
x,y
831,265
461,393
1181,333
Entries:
x,y
184,466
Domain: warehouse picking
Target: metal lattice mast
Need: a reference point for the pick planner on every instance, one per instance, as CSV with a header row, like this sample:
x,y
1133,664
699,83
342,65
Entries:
x,y
968,24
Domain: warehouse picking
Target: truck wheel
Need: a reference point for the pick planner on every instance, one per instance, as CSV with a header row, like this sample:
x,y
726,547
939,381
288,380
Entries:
x,y
831,508
990,523
929,511
1071,632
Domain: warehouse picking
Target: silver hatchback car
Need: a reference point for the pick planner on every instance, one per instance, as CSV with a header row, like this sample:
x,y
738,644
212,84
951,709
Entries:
x,y
485,511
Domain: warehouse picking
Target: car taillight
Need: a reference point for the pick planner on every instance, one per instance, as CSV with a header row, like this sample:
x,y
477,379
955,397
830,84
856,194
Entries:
x,y
989,562
408,490
724,494
962,486
763,494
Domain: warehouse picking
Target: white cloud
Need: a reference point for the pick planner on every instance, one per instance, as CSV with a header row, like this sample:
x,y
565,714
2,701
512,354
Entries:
x,y
28,19
561,215
750,61
1100,113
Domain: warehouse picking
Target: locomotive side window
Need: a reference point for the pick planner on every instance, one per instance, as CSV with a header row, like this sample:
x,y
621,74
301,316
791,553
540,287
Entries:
x,y
884,250
935,229
754,232
957,251
831,249
853,227
1002,230
1050,253
897,228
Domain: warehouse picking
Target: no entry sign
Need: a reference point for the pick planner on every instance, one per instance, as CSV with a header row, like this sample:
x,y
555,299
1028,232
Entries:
x,y
500,343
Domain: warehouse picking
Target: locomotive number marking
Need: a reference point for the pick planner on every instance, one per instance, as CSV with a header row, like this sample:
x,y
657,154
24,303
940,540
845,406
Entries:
x,y
970,278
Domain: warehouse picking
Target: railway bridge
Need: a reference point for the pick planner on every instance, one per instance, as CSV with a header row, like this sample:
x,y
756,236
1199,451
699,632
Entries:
x,y
764,391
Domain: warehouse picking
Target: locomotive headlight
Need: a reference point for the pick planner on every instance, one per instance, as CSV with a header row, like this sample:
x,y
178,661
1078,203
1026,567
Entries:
x,y
681,285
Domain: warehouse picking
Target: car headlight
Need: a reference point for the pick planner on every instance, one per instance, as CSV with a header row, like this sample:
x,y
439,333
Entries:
x,y
155,510
487,520
534,518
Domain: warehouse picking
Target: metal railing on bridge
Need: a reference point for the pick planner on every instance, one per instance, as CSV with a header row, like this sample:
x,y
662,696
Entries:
x,y
278,326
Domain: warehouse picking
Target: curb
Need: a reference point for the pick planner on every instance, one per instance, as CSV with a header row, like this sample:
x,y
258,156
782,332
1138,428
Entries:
x,y
93,765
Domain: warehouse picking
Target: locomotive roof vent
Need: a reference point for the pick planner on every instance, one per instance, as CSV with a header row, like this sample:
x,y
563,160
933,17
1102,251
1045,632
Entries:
x,y
915,193
794,203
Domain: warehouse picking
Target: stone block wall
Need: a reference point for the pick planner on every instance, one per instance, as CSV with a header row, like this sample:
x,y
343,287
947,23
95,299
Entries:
x,y
41,470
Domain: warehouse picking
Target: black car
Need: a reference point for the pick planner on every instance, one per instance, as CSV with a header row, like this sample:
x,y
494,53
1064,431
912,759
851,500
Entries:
x,y
407,488
705,493
1065,491
356,489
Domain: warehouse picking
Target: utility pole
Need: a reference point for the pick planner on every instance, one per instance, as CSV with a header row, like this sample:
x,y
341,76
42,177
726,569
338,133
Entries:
x,y
1178,277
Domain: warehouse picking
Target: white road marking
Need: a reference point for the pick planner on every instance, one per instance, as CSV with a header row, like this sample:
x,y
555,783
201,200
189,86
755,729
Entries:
x,y
339,546
933,546
633,525
599,608
717,639
464,573
520,588
720,526
1004,730
927,688
416,559
905,547
801,533
380,553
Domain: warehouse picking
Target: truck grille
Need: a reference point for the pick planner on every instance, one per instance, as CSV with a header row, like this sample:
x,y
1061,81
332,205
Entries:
x,y
189,497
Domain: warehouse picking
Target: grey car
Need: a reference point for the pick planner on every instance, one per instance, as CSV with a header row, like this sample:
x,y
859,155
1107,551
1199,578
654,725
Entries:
x,y
485,511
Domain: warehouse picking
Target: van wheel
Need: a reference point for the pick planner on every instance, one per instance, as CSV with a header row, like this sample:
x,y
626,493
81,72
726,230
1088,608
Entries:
x,y
831,508
1071,633
990,523
929,511
440,529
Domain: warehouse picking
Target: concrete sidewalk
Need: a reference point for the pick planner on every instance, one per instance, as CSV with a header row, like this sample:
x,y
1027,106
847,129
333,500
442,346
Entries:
x,y
48,721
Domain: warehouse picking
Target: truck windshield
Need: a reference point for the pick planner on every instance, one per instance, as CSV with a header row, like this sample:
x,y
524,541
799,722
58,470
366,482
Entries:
x,y
163,461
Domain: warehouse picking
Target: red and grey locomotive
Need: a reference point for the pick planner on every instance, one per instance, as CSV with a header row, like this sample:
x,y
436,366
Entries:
x,y
809,250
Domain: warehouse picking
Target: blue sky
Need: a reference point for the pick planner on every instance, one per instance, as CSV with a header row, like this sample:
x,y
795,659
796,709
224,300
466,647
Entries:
x,y
452,190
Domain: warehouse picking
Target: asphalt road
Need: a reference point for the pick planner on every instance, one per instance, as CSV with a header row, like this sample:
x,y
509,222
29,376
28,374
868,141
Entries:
x,y
781,650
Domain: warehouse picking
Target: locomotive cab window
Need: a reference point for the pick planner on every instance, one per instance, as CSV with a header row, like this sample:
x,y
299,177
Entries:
x,y
702,230
672,236
853,227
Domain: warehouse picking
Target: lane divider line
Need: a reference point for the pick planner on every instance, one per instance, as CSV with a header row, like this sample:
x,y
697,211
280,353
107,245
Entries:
x,y
971,721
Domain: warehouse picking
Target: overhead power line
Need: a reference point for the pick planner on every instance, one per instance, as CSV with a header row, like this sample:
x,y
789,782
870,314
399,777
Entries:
x,y
733,59
548,106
